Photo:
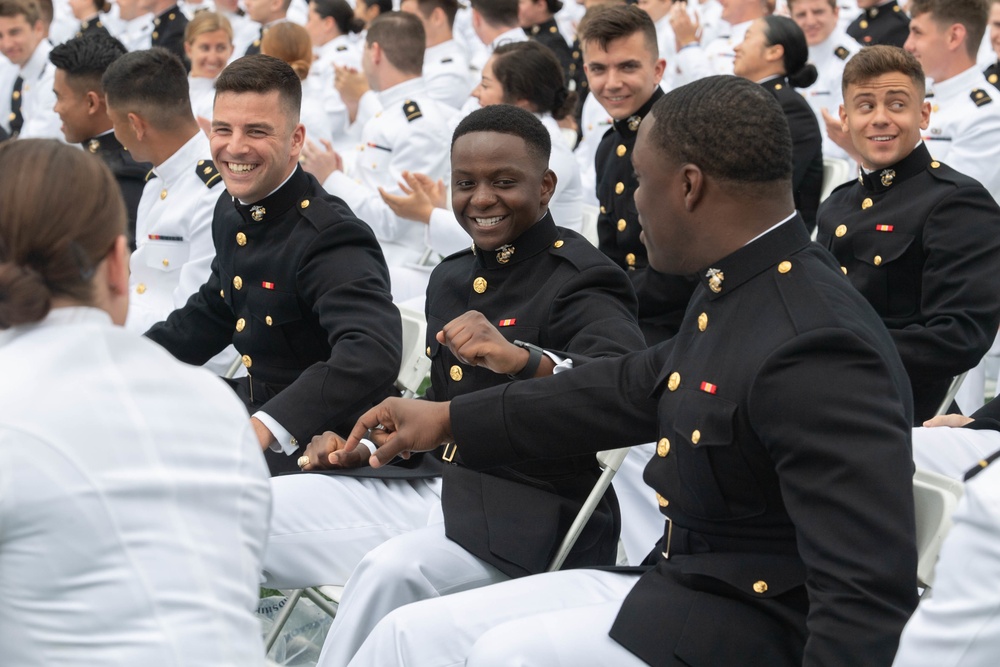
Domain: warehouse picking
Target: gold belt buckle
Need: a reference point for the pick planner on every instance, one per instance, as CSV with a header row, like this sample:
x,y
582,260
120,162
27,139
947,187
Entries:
x,y
670,535
449,452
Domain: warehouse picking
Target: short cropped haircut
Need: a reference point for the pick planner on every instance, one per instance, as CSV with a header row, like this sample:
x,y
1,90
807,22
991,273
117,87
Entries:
x,y
29,9
152,83
973,14
872,62
497,12
733,129
449,7
262,74
508,119
606,24
84,59
402,39
341,13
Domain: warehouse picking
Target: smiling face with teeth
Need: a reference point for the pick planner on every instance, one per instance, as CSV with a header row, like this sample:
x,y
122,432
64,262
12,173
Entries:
x,y
884,117
255,142
499,187
623,76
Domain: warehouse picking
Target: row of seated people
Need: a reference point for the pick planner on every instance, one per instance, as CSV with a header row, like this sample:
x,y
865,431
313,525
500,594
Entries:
x,y
753,533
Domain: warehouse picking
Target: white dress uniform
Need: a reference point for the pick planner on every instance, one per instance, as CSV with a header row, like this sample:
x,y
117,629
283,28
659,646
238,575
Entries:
x,y
964,130
134,503
173,234
666,40
478,59
201,90
959,625
341,51
37,97
8,74
829,56
410,133
594,124
135,34
696,61
447,73
952,451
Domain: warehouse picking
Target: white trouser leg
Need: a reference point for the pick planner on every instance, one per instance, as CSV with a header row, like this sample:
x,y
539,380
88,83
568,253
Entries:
x,y
952,451
416,566
323,525
442,631
642,523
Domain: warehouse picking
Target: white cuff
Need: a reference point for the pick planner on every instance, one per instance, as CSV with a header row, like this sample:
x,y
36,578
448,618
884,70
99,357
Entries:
x,y
285,442
560,363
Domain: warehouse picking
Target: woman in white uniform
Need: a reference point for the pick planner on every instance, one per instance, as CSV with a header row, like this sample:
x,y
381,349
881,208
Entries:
x,y
208,44
134,499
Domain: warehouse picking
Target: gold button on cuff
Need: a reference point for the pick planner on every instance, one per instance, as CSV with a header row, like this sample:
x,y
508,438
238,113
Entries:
x,y
428,351
268,320
784,267
702,321
867,203
247,361
456,373
662,501
935,164
240,324
619,188
241,239
293,442
674,381
166,262
877,260
163,193
622,224
140,288
630,259
620,151
695,437
663,447
479,285
558,244
304,204
760,586
841,230
238,282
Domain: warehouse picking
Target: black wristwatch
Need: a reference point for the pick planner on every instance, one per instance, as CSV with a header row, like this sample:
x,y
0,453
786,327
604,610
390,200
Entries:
x,y
535,355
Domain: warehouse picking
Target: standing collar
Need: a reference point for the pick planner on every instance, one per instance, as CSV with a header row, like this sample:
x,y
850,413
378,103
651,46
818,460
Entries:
x,y
630,125
881,180
961,83
402,92
536,239
287,195
184,159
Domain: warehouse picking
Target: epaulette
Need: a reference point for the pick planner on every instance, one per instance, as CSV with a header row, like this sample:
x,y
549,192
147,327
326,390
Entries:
x,y
841,53
207,172
411,110
980,97
982,465
445,60
341,48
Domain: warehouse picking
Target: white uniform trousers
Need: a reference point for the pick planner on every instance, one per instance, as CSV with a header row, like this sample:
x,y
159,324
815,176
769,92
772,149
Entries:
x,y
416,566
560,619
642,523
323,525
952,451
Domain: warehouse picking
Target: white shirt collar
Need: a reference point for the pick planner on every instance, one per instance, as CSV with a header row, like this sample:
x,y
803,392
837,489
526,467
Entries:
x,y
183,159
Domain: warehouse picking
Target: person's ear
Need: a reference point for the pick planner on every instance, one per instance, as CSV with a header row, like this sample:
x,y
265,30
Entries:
x,y
693,180
549,180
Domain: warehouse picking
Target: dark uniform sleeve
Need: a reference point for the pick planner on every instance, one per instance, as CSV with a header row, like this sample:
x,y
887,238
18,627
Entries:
x,y
344,277
837,451
959,287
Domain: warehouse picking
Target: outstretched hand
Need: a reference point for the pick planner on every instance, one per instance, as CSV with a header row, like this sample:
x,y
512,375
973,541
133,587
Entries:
x,y
327,451
954,421
402,425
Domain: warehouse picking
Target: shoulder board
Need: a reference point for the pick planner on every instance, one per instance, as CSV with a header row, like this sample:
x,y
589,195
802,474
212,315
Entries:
x,y
207,172
980,97
411,110
341,48
982,465
841,53
445,60
845,185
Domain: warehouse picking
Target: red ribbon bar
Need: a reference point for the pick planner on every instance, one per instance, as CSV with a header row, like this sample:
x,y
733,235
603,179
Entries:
x,y
508,323
267,285
709,387
883,228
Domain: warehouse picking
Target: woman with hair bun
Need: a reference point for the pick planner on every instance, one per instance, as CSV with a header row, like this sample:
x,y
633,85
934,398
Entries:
x,y
290,42
774,53
134,500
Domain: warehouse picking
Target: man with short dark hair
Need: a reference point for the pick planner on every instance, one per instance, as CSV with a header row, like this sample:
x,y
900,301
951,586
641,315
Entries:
x,y
266,13
410,134
82,108
147,101
446,66
495,22
23,41
919,239
298,285
778,365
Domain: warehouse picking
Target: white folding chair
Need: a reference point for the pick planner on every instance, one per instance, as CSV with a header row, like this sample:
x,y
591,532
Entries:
x,y
589,229
935,498
949,397
835,172
412,371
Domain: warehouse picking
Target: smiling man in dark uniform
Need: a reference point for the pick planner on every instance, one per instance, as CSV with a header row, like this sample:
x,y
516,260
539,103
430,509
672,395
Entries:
x,y
880,22
781,413
918,239
624,69
298,284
